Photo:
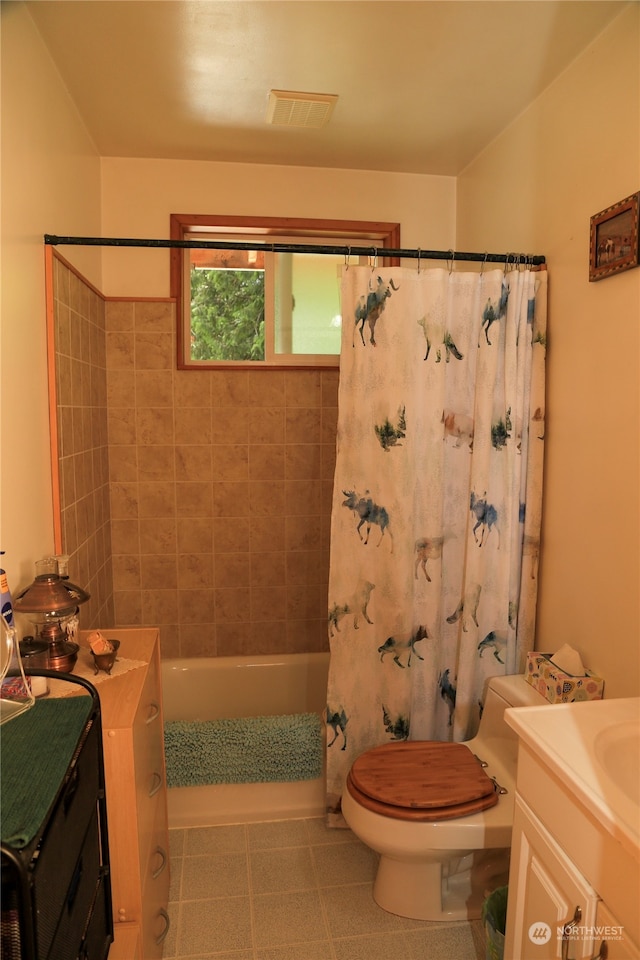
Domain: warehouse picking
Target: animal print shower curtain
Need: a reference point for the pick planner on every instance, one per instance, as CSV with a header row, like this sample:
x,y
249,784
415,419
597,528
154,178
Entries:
x,y
436,505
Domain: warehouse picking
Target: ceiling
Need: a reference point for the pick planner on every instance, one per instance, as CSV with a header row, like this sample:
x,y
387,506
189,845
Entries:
x,y
423,85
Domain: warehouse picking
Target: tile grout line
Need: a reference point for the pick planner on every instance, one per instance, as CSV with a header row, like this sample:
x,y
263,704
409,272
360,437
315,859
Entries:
x,y
325,915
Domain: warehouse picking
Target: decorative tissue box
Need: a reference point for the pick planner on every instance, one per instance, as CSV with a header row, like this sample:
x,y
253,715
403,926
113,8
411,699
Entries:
x,y
557,686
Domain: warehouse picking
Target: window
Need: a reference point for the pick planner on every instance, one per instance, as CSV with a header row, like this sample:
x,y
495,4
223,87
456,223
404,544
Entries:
x,y
258,307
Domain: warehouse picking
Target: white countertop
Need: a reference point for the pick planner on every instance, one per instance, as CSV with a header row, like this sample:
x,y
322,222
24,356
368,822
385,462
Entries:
x,y
594,748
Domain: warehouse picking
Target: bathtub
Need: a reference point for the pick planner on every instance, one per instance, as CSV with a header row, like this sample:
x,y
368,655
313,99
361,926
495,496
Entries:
x,y
210,688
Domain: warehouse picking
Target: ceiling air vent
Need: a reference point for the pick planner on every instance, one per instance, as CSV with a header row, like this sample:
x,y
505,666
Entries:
x,y
287,108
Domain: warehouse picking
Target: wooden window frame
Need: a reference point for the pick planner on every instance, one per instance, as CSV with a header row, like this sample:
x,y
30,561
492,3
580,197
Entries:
x,y
379,234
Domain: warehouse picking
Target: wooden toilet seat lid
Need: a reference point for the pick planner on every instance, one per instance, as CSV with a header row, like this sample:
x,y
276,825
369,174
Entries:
x,y
421,780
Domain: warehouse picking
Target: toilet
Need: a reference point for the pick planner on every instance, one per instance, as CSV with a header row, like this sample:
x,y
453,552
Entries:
x,y
440,814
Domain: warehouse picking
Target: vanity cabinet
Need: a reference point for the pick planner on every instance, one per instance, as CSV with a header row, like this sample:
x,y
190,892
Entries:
x,y
575,875
548,890
133,738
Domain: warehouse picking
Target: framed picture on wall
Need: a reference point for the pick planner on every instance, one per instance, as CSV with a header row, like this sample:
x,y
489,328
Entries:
x,y
613,243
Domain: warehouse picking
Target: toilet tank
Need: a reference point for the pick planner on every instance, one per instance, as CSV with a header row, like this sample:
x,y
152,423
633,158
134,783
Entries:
x,y
496,742
503,692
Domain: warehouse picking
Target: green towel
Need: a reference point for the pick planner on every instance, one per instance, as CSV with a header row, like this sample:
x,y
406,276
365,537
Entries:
x,y
35,750
244,750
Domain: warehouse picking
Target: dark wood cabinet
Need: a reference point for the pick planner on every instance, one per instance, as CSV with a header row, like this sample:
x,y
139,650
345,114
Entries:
x,y
56,892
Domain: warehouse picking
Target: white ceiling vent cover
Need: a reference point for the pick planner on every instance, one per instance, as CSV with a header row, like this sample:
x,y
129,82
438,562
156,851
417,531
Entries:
x,y
288,108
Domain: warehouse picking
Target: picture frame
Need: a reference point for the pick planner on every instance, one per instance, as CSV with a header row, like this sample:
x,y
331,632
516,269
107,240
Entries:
x,y
613,239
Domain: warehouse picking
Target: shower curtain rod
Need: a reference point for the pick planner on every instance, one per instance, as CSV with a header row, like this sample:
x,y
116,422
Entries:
x,y
344,250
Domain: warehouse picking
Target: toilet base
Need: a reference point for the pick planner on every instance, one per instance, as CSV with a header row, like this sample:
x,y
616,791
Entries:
x,y
419,890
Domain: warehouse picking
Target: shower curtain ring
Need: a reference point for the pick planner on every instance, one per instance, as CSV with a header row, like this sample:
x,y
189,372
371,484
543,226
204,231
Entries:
x,y
418,259
347,257
486,254
451,262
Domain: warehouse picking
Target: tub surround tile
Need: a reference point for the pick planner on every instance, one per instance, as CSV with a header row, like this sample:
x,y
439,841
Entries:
x,y
189,467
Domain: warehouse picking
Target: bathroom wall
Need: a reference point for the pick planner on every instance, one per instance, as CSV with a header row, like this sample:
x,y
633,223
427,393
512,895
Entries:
x,y
574,152
50,183
220,494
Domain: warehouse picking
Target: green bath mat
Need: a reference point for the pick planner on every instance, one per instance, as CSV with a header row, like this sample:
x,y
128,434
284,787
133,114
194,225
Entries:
x,y
243,750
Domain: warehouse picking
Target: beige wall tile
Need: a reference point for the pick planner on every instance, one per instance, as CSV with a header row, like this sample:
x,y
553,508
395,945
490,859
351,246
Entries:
x,y
266,425
303,388
232,604
192,425
268,603
195,571
232,569
158,535
229,388
230,425
121,389
193,462
194,498
194,535
155,463
154,388
268,569
154,425
125,536
266,499
159,606
155,316
267,533
231,535
198,640
196,606
192,388
120,350
231,462
156,499
159,572
119,315
267,461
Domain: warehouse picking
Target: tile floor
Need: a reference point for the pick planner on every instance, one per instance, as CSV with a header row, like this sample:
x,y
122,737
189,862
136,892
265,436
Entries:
x,y
292,890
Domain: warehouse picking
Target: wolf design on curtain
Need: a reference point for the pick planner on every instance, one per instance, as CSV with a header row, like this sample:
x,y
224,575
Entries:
x,y
436,505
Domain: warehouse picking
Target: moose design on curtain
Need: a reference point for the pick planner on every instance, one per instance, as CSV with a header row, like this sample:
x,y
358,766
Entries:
x,y
437,502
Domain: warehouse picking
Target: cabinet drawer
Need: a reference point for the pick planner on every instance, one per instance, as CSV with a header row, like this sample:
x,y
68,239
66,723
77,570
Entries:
x,y
155,894
148,745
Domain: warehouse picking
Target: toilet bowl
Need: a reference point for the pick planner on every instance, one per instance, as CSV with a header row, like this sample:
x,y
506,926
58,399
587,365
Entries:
x,y
411,801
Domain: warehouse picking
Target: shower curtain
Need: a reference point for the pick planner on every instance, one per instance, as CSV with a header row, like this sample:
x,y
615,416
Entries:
x,y
436,505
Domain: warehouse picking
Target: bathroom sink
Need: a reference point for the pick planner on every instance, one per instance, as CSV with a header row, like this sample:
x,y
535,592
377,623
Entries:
x,y
594,747
617,750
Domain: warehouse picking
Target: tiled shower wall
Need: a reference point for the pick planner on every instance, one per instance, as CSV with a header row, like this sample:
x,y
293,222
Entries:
x,y
221,485
81,382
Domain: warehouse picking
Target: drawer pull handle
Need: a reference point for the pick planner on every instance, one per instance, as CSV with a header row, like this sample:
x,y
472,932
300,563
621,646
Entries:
x,y
567,928
154,712
167,923
156,783
163,862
